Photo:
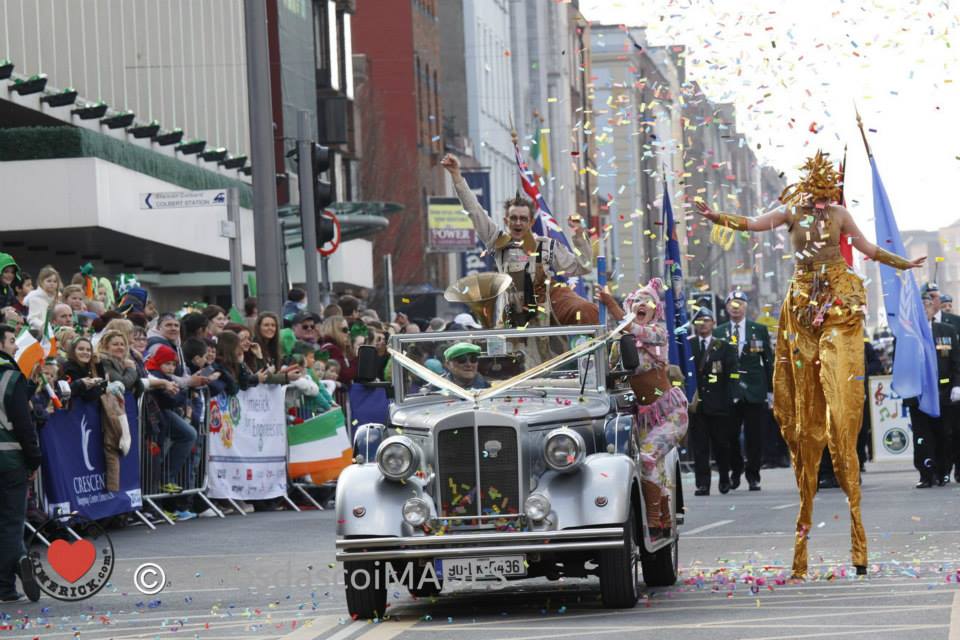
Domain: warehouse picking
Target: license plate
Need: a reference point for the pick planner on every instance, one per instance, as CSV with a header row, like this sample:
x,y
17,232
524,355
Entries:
x,y
484,568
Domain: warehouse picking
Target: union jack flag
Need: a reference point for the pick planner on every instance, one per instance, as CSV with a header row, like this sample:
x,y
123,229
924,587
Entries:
x,y
544,224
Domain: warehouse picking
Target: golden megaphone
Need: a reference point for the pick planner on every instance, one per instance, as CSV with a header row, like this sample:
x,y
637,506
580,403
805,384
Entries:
x,y
482,293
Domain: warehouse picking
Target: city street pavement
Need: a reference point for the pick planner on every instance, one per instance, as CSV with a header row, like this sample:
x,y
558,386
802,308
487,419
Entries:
x,y
270,575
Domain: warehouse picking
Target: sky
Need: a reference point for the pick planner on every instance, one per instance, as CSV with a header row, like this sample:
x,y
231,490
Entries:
x,y
794,67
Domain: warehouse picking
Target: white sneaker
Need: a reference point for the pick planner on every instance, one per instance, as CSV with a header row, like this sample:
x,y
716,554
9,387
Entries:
x,y
208,513
246,507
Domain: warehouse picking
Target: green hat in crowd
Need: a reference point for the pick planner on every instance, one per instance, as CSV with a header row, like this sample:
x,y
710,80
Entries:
x,y
460,349
6,260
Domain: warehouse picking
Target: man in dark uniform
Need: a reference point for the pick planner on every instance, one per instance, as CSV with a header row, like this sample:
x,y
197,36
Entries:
x,y
715,360
931,436
940,313
753,395
19,459
943,314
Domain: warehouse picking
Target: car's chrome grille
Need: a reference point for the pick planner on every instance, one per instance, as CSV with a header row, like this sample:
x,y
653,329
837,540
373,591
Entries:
x,y
457,472
499,480
456,456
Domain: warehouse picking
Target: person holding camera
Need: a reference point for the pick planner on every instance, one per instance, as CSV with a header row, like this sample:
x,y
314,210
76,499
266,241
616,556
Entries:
x,y
83,372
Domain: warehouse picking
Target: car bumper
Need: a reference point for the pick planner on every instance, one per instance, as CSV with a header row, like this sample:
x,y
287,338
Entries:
x,y
479,544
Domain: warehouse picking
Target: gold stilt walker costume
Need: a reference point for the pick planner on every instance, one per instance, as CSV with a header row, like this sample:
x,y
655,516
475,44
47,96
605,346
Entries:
x,y
818,375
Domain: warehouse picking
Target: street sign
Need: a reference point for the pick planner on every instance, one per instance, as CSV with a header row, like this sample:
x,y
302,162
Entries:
x,y
183,199
449,226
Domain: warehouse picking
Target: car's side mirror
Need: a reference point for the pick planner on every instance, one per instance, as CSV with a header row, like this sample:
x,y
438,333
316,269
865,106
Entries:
x,y
368,364
629,356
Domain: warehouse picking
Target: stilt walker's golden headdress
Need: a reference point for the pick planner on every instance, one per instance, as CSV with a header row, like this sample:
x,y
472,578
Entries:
x,y
820,182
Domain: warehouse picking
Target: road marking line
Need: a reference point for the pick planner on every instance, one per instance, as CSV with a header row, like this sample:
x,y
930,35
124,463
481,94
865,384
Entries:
x,y
706,527
857,632
669,608
955,618
646,627
313,628
784,506
870,534
387,629
348,630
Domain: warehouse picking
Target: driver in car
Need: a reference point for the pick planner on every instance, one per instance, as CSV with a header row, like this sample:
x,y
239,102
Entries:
x,y
460,362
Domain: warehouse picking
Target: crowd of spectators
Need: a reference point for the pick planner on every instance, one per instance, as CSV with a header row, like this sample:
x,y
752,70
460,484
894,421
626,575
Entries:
x,y
113,342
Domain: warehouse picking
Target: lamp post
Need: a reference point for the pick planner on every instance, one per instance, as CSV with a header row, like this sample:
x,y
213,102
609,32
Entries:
x,y
267,246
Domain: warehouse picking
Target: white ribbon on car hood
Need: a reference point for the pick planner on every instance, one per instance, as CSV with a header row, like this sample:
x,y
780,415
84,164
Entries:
x,y
415,367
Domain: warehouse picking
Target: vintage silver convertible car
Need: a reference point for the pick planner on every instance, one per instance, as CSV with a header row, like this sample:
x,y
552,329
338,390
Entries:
x,y
532,471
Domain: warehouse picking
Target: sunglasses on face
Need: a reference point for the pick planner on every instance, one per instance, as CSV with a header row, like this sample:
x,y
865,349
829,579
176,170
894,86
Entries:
x,y
472,358
308,327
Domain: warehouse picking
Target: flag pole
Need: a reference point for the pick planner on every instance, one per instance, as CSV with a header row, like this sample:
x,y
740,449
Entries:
x,y
843,175
862,132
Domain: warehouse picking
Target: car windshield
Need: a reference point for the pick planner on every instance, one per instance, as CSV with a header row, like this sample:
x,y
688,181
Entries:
x,y
479,360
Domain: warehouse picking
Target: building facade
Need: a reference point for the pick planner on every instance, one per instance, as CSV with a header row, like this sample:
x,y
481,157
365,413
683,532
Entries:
x,y
401,115
158,104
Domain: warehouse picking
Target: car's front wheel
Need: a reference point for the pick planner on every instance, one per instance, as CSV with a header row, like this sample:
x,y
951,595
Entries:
x,y
366,588
425,582
620,569
660,567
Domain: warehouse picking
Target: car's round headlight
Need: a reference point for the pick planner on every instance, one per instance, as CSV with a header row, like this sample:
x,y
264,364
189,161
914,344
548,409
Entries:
x,y
416,511
537,507
563,449
398,458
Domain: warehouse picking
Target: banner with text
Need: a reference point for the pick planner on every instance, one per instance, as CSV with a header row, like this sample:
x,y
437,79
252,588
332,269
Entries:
x,y
477,260
74,467
889,421
248,445
449,226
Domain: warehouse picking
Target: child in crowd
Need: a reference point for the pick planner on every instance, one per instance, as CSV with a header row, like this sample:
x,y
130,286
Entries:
x,y
44,402
332,371
43,298
22,287
9,274
211,351
306,393
175,413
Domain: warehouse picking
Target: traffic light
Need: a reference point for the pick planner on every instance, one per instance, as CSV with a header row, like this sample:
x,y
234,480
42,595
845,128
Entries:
x,y
325,230
324,193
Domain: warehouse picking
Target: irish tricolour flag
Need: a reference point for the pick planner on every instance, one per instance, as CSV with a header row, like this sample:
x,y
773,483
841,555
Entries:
x,y
319,447
29,353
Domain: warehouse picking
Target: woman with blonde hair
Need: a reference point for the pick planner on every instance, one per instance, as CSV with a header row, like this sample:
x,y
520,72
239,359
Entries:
x,y
121,374
43,298
335,339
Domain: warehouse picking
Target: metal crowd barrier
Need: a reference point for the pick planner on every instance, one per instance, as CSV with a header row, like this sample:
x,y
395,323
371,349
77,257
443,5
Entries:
x,y
153,468
37,497
342,397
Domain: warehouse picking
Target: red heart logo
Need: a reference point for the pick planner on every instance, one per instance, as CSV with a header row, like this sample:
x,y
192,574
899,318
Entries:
x,y
71,560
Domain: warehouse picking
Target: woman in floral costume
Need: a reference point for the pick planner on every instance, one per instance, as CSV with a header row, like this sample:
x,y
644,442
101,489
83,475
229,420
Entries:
x,y
661,407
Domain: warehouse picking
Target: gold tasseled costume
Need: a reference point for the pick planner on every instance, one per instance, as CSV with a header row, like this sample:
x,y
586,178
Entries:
x,y
818,390
818,375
